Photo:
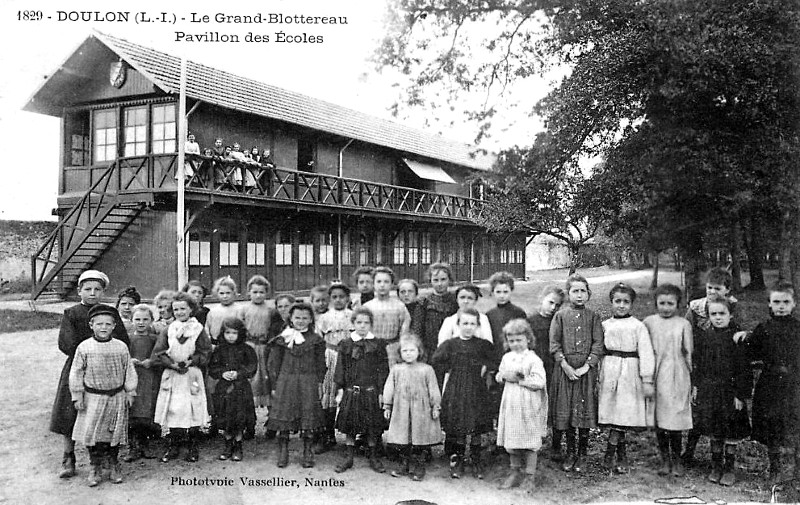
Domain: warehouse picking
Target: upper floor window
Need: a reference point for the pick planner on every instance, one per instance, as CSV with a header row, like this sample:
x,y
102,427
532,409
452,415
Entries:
x,y
105,135
135,130
164,129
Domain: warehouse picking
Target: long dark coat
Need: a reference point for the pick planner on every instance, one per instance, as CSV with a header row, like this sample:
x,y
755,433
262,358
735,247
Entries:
x,y
234,409
361,370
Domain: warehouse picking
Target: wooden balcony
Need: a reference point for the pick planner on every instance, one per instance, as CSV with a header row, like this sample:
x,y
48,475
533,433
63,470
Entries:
x,y
236,182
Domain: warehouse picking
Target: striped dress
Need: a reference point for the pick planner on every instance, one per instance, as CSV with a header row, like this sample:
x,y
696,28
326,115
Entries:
x,y
257,321
334,326
523,409
102,366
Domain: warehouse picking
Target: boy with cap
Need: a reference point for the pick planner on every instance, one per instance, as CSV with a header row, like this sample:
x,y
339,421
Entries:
x,y
102,382
74,330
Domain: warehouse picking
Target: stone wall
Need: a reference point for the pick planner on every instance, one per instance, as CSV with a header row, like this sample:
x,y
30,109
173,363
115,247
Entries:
x,y
18,241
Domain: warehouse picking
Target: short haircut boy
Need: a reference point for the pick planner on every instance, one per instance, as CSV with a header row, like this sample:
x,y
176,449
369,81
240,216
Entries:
x,y
258,280
444,267
365,270
362,311
319,292
783,287
719,276
383,270
669,289
501,278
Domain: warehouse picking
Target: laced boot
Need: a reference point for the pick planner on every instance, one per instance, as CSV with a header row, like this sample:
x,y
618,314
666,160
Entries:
x,y
237,451
663,449
477,461
687,456
308,454
716,462
193,454
580,461
403,470
556,454
283,450
347,461
67,466
95,470
569,458
675,449
728,476
418,471
622,465
227,452
608,459
173,446
133,448
113,462
457,461
375,460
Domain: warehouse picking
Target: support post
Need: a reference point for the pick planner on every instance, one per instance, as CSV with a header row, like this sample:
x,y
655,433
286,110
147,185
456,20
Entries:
x,y
181,204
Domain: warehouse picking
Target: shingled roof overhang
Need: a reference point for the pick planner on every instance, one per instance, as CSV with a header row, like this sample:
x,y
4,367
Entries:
x,y
246,95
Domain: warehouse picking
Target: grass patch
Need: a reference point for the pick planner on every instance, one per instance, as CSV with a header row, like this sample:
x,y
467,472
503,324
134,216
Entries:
x,y
20,320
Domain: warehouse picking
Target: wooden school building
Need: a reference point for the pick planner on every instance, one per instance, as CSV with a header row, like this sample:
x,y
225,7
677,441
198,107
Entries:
x,y
342,188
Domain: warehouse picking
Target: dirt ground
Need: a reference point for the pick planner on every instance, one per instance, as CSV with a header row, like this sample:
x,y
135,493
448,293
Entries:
x,y
30,364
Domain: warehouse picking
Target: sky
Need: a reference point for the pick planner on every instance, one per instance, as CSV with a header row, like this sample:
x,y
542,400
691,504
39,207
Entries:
x,y
336,70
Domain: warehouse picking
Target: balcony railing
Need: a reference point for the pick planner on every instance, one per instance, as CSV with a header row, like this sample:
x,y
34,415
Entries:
x,y
158,172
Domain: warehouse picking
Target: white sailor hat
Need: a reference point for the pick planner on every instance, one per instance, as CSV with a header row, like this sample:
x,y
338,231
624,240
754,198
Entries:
x,y
93,275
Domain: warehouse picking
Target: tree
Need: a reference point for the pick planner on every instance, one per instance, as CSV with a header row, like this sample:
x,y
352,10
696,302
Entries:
x,y
523,196
694,105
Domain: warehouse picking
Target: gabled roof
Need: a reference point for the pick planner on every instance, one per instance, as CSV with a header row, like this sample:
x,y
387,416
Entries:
x,y
234,92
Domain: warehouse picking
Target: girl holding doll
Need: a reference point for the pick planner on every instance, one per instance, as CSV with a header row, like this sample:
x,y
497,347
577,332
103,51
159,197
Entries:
x,y
523,408
181,409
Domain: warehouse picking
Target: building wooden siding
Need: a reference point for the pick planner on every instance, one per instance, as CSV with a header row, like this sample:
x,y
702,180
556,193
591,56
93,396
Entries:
x,y
144,256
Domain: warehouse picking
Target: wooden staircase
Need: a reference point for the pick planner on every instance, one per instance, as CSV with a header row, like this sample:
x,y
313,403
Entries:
x,y
85,232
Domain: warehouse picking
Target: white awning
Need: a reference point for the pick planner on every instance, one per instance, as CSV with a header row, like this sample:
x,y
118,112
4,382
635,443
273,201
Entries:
x,y
429,172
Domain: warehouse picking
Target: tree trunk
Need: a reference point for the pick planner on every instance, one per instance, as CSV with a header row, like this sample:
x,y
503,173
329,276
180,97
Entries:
x,y
654,282
736,252
755,255
694,263
646,263
573,249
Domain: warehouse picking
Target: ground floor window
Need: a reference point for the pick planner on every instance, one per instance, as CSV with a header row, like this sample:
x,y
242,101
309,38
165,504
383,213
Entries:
x,y
283,248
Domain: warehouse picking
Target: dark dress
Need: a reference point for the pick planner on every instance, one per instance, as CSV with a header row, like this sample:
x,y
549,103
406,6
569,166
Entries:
x,y
541,331
499,317
234,409
361,371
465,403
296,374
201,314
776,402
74,330
434,310
144,404
721,372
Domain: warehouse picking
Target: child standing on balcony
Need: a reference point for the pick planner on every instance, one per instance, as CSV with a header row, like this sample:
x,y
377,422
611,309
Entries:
x,y
74,330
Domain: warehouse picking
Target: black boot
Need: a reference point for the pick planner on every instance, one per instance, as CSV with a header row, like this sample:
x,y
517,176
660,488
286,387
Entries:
x,y
283,449
663,449
477,461
556,454
347,461
622,458
375,460
95,471
675,440
67,466
418,470
174,439
583,447
115,475
716,461
687,456
308,454
227,452
237,451
570,457
134,450
608,459
405,457
193,454
457,460
728,476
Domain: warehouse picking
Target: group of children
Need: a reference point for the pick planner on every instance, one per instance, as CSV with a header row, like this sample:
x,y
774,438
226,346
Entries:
x,y
425,370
